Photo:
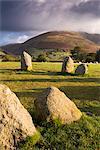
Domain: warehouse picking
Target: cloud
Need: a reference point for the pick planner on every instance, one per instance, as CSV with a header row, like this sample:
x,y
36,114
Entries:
x,y
88,7
22,39
16,37
13,38
40,1
40,15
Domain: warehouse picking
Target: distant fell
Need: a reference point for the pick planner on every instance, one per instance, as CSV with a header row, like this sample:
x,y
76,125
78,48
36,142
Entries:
x,y
66,40
13,49
92,37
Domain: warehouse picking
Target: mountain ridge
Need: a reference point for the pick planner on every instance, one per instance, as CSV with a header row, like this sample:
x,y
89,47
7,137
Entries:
x,y
57,40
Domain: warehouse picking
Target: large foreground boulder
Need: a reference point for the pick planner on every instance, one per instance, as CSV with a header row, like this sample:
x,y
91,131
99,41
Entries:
x,y
26,61
53,104
68,65
15,122
81,69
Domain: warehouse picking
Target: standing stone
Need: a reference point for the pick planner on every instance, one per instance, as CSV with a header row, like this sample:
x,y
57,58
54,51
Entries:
x,y
53,104
81,69
15,121
68,65
26,61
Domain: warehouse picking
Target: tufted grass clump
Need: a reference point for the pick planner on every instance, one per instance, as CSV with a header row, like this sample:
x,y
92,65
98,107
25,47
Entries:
x,y
57,122
29,142
82,90
81,135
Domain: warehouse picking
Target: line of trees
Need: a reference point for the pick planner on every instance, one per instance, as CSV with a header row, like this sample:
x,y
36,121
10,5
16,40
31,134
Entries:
x,y
78,55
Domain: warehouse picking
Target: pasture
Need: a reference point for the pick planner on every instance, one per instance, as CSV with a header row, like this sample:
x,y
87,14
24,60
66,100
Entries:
x,y
83,90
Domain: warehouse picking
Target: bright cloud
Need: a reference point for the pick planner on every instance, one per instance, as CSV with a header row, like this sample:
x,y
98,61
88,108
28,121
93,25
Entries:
x,y
22,39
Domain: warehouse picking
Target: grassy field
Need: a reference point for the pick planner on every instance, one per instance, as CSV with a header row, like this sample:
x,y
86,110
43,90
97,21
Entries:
x,y
83,90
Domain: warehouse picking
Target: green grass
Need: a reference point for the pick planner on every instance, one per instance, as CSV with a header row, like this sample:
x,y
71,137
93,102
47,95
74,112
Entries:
x,y
83,90
29,142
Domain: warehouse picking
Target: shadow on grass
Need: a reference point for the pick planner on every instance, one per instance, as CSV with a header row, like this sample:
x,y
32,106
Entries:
x,y
90,110
85,94
78,79
82,92
30,93
41,72
69,77
37,72
19,71
24,94
9,71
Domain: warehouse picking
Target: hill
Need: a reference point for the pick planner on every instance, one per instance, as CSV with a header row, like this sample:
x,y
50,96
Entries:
x,y
56,40
13,49
2,53
92,37
61,40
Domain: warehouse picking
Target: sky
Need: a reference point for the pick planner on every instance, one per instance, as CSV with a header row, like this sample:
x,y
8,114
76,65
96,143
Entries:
x,y
23,19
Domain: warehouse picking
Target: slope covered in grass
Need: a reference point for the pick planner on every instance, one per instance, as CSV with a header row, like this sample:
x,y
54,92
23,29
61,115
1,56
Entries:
x,y
83,90
50,41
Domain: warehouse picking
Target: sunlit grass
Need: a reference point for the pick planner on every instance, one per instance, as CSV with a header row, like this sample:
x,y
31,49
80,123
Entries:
x,y
83,90
27,84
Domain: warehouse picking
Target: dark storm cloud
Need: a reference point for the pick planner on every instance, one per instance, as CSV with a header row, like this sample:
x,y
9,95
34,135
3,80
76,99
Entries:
x,y
89,7
40,15
15,14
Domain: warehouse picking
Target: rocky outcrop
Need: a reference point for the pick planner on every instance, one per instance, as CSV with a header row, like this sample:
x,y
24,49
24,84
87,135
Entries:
x,y
26,61
53,104
68,65
81,69
15,121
